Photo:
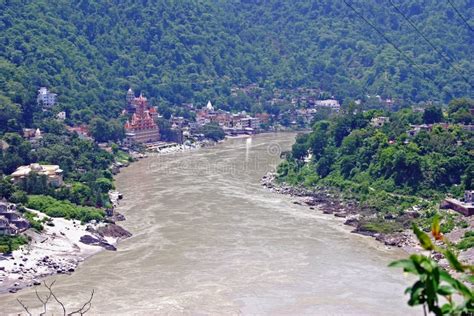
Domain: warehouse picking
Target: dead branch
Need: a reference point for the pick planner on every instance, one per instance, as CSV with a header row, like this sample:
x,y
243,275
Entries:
x,y
55,297
46,299
24,306
85,308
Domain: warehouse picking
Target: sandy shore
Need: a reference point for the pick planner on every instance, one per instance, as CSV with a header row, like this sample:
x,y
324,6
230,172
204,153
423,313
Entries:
x,y
58,249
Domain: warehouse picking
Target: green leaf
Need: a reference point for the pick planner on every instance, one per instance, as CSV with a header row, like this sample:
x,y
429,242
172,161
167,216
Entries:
x,y
427,266
406,264
459,286
453,261
447,309
446,290
470,279
424,239
416,294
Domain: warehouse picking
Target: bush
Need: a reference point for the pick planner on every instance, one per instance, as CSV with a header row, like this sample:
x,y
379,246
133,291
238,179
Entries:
x,y
19,197
11,243
55,208
35,223
212,131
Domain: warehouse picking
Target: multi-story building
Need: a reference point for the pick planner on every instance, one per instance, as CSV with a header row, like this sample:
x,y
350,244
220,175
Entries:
x,y
45,98
130,97
11,221
329,103
250,122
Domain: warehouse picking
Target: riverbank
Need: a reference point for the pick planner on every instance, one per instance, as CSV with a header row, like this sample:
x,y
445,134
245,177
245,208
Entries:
x,y
58,249
64,244
352,214
240,248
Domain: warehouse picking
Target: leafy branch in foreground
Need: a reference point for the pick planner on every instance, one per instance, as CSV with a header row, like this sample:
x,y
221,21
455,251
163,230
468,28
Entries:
x,y
51,295
435,285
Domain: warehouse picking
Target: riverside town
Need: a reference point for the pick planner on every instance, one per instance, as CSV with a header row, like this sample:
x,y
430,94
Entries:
x,y
237,157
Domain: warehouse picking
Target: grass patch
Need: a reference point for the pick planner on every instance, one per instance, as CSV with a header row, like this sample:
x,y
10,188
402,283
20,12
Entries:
x,y
379,226
122,157
466,243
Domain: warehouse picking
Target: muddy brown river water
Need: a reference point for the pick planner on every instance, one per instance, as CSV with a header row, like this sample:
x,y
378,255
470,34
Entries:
x,y
209,240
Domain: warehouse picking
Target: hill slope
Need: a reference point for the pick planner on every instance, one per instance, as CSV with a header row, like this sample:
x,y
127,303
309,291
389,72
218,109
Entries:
x,y
90,51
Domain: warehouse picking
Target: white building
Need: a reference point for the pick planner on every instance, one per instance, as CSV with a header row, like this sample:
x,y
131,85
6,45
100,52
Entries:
x,y
54,175
209,106
61,116
46,98
329,103
379,121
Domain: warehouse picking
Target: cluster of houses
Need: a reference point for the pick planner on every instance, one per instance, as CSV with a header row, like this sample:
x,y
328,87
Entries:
x,y
11,222
141,126
464,206
231,123
415,129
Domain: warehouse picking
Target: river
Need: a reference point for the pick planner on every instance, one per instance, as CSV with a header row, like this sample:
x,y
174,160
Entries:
x,y
209,240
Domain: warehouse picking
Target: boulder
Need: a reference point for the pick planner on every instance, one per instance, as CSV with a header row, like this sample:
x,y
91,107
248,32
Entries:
x,y
90,240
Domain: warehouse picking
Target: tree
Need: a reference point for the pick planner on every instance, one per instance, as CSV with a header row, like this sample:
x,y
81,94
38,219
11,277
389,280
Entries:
x,y
347,164
6,188
212,131
432,114
99,129
19,197
299,151
318,140
459,111
10,116
104,184
300,148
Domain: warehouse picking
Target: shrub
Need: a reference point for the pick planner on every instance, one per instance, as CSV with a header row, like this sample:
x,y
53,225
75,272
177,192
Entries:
x,y
31,218
11,243
55,208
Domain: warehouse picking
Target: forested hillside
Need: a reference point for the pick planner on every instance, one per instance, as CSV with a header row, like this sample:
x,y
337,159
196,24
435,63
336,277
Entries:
x,y
391,166
90,52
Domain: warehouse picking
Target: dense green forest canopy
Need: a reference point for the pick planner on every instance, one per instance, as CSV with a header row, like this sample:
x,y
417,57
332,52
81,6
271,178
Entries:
x,y
388,166
90,52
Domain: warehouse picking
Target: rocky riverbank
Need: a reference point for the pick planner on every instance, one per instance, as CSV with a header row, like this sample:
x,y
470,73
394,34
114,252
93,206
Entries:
x,y
57,250
350,212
